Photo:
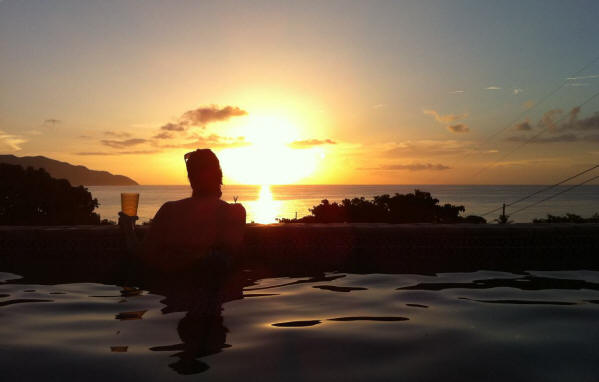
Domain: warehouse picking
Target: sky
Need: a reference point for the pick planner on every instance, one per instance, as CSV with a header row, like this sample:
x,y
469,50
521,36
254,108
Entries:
x,y
327,92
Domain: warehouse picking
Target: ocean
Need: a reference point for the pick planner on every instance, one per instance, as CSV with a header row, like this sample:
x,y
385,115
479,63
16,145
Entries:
x,y
264,204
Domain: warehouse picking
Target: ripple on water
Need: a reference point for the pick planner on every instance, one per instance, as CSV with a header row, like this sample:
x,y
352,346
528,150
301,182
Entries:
x,y
334,288
369,318
22,301
297,324
458,326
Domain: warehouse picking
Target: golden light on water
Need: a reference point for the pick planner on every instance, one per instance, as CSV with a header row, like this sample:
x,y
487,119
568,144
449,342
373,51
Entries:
x,y
265,210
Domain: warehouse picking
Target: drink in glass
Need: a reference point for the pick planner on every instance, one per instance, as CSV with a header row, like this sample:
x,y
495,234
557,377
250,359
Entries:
x,y
129,202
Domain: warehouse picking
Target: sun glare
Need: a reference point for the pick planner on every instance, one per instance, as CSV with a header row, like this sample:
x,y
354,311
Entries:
x,y
269,159
265,210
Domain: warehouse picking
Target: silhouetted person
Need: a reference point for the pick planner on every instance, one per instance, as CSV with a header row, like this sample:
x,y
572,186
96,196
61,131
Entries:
x,y
200,228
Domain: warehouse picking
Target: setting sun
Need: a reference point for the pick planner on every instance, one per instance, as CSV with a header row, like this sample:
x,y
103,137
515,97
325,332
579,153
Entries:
x,y
269,158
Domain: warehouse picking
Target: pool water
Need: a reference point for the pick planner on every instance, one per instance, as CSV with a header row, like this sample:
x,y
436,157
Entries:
x,y
484,325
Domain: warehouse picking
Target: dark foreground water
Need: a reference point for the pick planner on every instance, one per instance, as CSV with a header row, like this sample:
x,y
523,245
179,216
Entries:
x,y
481,325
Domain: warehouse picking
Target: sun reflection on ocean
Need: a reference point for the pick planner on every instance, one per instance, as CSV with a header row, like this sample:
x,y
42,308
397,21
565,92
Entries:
x,y
265,210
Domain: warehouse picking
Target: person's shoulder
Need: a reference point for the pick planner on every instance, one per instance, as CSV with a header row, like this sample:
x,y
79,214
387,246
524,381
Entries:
x,y
235,211
180,201
176,204
172,206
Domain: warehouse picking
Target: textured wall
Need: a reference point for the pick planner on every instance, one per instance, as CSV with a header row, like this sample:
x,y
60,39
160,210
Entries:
x,y
355,247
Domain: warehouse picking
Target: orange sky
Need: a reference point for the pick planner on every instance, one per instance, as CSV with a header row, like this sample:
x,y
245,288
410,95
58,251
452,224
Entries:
x,y
337,93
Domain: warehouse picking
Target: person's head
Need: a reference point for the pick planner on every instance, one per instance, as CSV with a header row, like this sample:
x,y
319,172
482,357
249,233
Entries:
x,y
204,173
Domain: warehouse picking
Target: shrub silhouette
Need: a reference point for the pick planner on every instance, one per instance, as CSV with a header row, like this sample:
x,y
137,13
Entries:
x,y
33,197
416,207
568,218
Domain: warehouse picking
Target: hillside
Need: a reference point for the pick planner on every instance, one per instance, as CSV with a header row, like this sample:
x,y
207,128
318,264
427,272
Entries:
x,y
76,175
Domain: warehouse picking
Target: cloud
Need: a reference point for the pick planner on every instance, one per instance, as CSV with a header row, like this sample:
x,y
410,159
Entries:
x,y
52,121
411,167
379,106
578,84
172,127
554,139
548,119
523,126
492,88
123,143
10,142
561,131
572,123
573,115
517,91
311,143
528,104
430,148
211,141
447,118
218,141
548,161
583,77
590,123
456,92
110,153
205,115
459,128
117,134
200,117
164,135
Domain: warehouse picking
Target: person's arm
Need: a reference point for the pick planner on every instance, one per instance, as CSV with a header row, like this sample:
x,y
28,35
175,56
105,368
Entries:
x,y
234,228
127,227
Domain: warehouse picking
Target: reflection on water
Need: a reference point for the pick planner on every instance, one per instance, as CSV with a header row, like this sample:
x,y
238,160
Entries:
x,y
265,210
452,326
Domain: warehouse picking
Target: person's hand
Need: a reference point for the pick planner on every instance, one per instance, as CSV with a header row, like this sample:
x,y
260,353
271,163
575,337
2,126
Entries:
x,y
126,222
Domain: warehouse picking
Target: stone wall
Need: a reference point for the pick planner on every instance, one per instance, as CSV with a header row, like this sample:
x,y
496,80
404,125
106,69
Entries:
x,y
357,247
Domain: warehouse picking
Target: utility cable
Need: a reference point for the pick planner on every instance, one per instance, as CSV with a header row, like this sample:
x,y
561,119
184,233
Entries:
x,y
542,100
542,190
531,139
554,195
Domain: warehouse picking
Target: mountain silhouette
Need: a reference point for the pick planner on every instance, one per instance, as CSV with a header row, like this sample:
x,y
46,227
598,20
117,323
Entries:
x,y
76,175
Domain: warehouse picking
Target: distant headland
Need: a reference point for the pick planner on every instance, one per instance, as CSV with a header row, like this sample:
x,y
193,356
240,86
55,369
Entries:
x,y
76,175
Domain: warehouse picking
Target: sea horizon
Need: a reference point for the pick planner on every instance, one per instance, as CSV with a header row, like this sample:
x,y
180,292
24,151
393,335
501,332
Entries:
x,y
354,184
266,204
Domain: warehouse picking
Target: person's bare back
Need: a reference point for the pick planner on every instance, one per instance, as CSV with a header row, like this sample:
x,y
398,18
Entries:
x,y
193,226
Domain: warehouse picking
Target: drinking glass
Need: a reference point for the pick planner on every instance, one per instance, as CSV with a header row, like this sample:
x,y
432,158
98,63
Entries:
x,y
129,202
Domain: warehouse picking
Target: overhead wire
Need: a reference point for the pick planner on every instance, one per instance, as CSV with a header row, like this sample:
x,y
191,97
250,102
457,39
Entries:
x,y
536,105
543,190
554,195
543,99
531,139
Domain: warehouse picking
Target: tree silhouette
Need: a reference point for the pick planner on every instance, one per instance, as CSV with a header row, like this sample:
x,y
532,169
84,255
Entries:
x,y
568,218
33,197
416,207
